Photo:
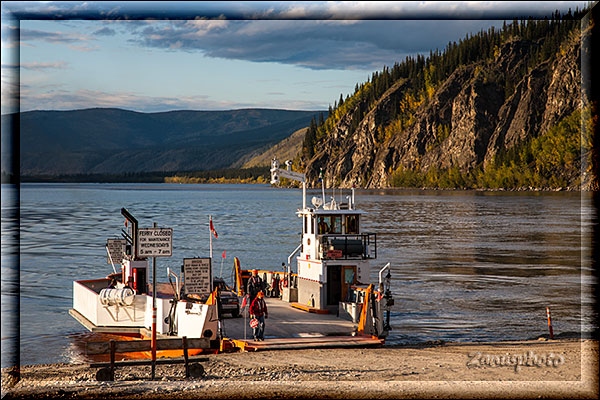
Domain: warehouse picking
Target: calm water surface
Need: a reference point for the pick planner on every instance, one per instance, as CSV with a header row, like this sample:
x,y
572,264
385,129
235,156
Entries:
x,y
466,266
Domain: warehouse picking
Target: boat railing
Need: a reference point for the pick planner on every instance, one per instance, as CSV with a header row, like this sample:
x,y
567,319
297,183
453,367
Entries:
x,y
357,246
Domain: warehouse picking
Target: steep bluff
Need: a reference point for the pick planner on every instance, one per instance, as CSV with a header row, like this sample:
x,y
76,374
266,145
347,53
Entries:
x,y
475,114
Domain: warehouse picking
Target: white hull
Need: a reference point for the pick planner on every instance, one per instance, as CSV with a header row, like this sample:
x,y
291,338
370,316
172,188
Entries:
x,y
193,320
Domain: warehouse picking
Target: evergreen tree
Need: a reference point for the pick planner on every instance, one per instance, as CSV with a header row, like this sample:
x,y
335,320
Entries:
x,y
310,139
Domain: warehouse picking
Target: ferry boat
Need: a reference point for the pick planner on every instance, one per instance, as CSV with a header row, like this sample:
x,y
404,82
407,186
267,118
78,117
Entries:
x,y
333,263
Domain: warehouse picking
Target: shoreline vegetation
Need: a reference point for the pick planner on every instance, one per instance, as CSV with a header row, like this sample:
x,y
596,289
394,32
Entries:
x,y
232,175
182,178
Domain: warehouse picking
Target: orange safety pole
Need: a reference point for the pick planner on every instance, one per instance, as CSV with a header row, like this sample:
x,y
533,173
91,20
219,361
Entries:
x,y
549,322
362,323
238,276
153,335
154,316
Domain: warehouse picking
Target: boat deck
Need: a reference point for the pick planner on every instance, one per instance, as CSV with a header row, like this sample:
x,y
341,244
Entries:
x,y
287,322
287,327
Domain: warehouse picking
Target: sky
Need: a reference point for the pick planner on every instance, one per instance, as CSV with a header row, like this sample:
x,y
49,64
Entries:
x,y
154,56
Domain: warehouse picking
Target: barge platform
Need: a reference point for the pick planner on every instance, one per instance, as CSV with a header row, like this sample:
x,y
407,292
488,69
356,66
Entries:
x,y
290,327
287,327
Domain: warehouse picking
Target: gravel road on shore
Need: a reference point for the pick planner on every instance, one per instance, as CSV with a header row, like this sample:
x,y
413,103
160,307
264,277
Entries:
x,y
526,369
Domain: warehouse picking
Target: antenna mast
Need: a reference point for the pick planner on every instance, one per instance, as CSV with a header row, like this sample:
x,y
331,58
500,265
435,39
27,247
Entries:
x,y
276,172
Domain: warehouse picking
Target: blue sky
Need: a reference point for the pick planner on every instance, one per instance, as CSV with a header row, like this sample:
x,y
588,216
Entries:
x,y
223,55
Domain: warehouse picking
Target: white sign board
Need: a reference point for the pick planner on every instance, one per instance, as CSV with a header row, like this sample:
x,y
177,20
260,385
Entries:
x,y
116,249
197,276
155,242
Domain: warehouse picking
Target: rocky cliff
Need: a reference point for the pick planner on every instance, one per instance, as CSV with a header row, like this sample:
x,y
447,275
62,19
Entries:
x,y
463,124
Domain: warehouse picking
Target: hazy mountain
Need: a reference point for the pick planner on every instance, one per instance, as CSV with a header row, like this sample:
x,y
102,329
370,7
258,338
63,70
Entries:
x,y
113,141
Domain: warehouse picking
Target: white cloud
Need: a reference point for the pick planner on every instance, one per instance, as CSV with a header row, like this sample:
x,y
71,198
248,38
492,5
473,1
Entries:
x,y
60,99
38,66
83,48
58,37
202,26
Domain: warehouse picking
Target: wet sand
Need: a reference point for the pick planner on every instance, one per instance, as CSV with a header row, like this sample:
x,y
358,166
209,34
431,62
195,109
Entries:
x,y
566,368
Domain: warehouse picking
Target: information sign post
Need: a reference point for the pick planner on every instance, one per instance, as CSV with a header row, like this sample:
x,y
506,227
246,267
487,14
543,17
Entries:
x,y
197,275
154,242
116,249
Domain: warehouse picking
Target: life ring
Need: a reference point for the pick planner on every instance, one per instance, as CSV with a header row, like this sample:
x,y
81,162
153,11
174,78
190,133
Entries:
x,y
283,283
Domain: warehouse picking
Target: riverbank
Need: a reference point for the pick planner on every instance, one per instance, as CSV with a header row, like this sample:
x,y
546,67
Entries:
x,y
566,368
263,179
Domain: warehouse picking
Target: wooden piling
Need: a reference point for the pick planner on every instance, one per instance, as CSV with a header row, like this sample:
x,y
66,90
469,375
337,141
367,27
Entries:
x,y
549,322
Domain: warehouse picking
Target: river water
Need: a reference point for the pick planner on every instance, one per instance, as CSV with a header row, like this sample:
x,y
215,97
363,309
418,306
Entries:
x,y
466,266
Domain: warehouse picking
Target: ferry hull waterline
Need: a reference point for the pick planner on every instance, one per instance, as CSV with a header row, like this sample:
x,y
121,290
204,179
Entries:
x,y
327,302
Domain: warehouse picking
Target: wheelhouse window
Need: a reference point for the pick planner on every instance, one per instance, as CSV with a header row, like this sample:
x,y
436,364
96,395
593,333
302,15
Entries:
x,y
323,222
351,224
329,224
336,224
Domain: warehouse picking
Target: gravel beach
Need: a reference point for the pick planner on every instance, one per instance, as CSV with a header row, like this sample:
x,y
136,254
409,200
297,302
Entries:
x,y
566,368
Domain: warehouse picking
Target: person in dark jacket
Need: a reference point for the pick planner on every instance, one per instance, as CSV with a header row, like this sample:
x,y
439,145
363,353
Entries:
x,y
258,310
255,285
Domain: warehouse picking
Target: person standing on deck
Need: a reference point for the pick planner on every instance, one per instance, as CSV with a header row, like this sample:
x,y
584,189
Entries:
x,y
255,285
258,310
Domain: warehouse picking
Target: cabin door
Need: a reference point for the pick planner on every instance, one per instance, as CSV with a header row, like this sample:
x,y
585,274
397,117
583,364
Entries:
x,y
334,284
339,279
348,278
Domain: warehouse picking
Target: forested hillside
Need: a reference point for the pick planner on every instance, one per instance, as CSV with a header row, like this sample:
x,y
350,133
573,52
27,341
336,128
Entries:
x,y
499,109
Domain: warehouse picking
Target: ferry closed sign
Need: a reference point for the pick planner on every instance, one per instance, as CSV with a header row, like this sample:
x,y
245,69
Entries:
x,y
196,275
155,242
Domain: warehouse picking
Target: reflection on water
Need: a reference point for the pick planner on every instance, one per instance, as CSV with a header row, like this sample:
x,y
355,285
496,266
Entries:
x,y
484,266
466,266
10,276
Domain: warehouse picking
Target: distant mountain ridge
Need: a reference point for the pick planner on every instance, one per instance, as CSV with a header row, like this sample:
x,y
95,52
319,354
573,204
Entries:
x,y
113,141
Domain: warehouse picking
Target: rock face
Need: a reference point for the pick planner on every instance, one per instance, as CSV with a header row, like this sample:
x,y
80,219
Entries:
x,y
465,123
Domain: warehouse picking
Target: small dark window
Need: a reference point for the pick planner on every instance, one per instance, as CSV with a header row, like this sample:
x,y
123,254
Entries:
x,y
351,224
336,224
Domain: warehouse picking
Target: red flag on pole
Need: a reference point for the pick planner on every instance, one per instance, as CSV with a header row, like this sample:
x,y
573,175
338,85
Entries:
x,y
245,301
223,253
212,228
